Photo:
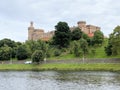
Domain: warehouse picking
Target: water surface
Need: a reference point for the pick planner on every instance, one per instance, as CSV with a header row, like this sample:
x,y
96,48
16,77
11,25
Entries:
x,y
62,80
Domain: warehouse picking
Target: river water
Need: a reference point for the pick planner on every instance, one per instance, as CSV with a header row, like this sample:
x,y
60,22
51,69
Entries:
x,y
62,80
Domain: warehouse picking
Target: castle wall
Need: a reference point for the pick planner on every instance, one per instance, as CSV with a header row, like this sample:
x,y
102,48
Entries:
x,y
36,34
88,29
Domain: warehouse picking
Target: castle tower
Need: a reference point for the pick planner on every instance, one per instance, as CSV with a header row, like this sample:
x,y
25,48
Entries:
x,y
30,31
81,24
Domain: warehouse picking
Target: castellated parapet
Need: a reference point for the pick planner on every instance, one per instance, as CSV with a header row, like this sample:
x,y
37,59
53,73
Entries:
x,y
36,34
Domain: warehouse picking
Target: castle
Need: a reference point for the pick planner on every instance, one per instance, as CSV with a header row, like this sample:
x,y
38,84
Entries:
x,y
36,34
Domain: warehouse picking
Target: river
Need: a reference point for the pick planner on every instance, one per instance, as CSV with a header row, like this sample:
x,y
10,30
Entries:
x,y
59,80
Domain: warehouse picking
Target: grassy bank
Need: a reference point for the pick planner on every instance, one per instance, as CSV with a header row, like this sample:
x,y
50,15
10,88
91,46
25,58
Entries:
x,y
79,67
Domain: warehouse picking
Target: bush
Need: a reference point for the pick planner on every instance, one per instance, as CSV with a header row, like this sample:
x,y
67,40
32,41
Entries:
x,y
21,53
93,51
57,53
48,54
37,56
5,53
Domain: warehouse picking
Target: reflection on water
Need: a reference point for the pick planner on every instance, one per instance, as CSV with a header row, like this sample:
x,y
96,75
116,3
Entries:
x,y
62,80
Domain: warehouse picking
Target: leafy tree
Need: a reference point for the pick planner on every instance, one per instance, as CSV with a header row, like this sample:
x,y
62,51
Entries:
x,y
76,34
57,52
13,52
84,46
85,36
77,49
98,37
62,35
42,46
7,42
108,50
114,42
31,46
5,53
21,52
37,56
93,51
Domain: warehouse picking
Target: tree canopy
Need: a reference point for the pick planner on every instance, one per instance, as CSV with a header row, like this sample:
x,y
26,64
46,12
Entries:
x,y
62,35
76,34
113,47
98,37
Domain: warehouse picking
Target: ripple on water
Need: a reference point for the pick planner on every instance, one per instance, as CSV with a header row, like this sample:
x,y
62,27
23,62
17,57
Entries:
x,y
53,80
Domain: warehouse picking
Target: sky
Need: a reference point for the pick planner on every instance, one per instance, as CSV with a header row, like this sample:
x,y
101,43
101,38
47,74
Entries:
x,y
16,15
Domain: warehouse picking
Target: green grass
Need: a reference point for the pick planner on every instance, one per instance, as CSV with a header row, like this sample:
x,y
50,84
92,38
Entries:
x,y
63,57
85,67
99,53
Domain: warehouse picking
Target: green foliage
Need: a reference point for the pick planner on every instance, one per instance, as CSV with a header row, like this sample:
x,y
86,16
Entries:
x,y
62,35
57,52
5,53
84,45
113,47
43,46
7,42
76,49
108,50
21,52
93,51
85,36
76,34
98,37
32,46
37,56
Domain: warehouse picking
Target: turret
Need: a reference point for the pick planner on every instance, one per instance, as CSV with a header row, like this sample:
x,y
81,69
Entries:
x,y
30,31
81,24
31,26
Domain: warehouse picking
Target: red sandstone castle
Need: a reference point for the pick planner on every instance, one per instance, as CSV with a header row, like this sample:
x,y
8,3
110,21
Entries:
x,y
36,34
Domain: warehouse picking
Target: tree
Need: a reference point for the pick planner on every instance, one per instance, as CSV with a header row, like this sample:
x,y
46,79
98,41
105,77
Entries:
x,y
7,42
5,53
37,56
77,49
42,46
31,46
113,47
62,35
98,37
76,34
84,46
108,49
21,52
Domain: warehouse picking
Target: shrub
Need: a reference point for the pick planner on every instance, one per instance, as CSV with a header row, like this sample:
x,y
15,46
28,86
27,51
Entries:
x,y
37,56
57,53
5,53
21,53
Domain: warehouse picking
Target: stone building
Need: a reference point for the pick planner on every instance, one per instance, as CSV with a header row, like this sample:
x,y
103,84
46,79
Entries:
x,y
88,29
36,34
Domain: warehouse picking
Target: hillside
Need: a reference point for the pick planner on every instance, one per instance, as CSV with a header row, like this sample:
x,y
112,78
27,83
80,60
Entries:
x,y
99,52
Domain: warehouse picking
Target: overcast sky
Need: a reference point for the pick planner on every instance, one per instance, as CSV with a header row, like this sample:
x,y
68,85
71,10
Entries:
x,y
15,15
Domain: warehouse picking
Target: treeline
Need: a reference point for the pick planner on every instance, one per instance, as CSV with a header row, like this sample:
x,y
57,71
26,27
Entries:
x,y
63,42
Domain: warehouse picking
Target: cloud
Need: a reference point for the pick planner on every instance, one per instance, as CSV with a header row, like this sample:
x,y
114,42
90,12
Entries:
x,y
15,15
